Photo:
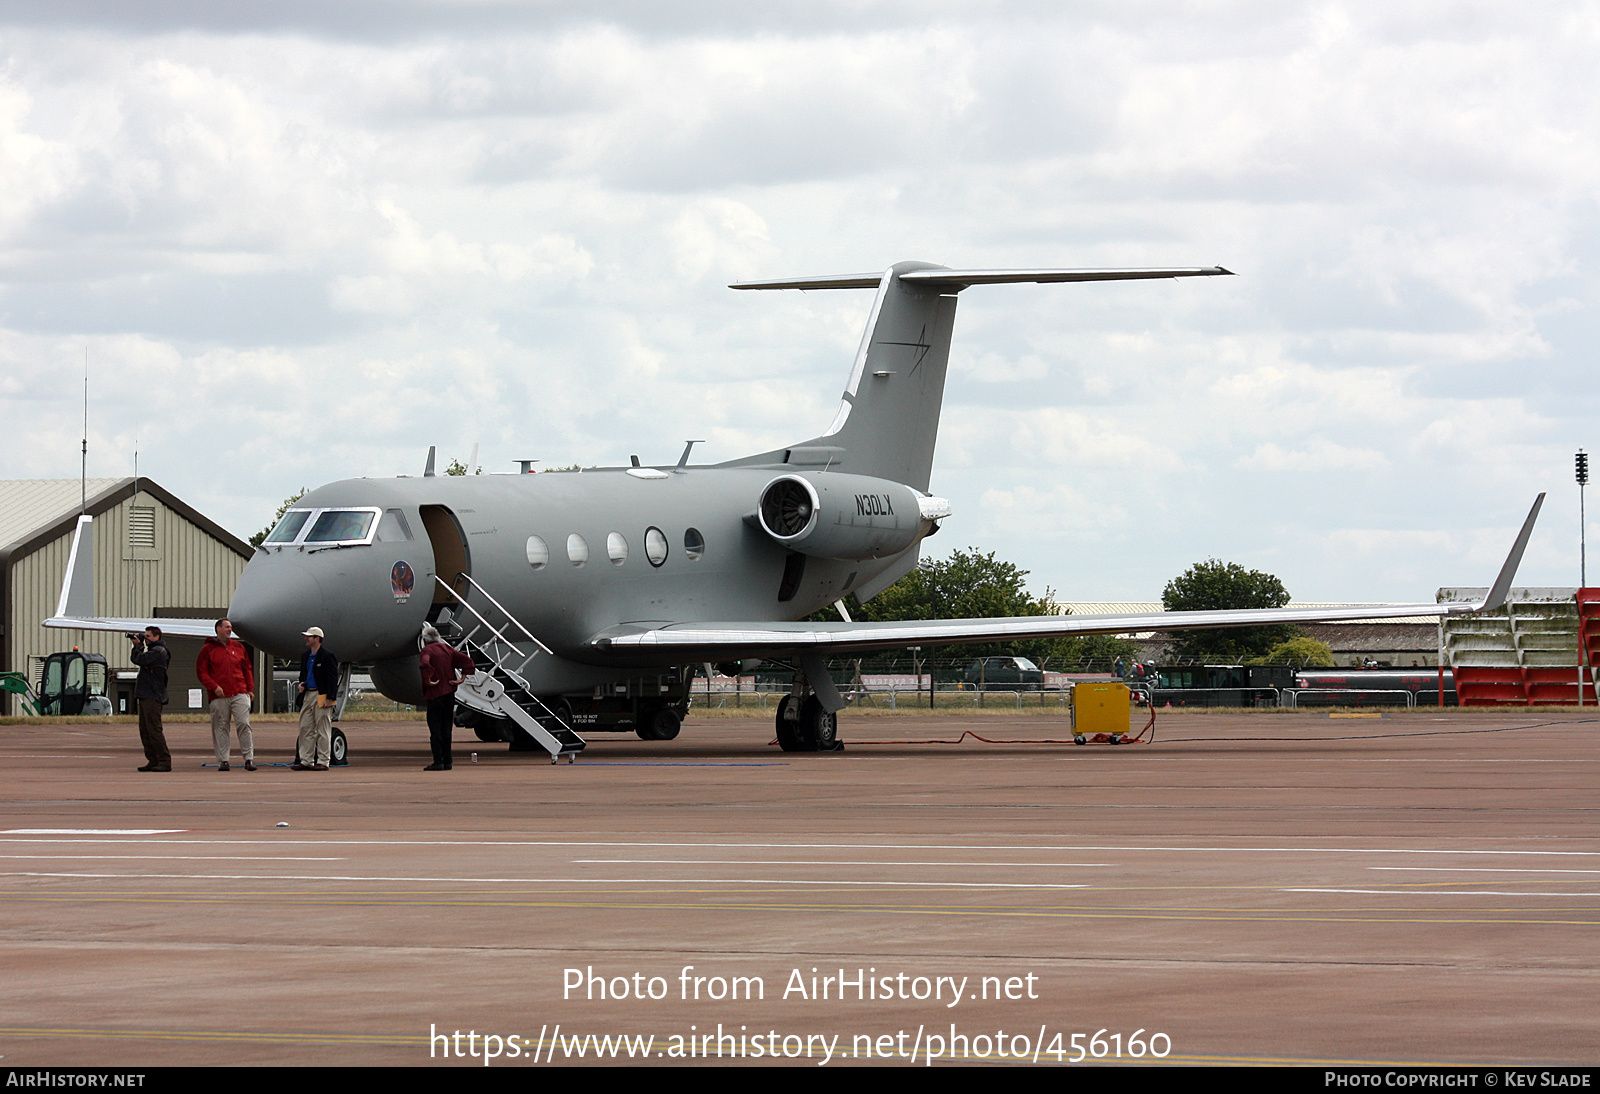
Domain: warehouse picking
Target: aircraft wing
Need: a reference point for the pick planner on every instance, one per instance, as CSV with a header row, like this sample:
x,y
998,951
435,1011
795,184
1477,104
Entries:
x,y
75,609
727,641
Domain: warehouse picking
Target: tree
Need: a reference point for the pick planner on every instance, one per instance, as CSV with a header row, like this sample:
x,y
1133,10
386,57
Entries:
x,y
967,585
1302,652
458,468
255,540
1214,585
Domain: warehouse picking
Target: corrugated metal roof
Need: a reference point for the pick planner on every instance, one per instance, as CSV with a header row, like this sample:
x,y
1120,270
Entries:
x,y
27,505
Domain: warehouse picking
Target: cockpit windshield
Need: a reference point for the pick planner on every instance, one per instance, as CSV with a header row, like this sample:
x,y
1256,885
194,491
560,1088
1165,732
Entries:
x,y
288,529
341,526
324,527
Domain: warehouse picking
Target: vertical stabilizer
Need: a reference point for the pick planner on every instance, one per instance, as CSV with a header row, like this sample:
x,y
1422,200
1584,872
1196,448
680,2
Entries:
x,y
888,417
77,590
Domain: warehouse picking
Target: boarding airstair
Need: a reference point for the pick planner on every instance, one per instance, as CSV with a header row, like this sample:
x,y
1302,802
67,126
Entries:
x,y
502,654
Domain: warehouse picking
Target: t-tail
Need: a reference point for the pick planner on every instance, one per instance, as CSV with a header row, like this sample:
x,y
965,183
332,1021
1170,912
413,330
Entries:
x,y
888,419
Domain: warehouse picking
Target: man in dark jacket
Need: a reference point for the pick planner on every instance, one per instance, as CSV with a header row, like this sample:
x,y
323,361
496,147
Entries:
x,y
439,663
150,693
319,690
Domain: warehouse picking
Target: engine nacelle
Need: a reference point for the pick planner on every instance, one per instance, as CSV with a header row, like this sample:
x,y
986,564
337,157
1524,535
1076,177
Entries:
x,y
830,515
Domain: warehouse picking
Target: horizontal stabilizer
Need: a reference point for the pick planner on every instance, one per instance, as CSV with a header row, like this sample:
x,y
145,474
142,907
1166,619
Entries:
x,y
183,628
75,608
960,279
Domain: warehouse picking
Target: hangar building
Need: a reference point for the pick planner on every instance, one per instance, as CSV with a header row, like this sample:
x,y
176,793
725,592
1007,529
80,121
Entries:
x,y
154,556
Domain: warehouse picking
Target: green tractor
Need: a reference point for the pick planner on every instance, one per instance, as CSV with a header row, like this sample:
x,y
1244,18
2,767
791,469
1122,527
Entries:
x,y
72,683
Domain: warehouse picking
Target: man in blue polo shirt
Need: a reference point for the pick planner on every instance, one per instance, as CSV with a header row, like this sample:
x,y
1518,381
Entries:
x,y
319,690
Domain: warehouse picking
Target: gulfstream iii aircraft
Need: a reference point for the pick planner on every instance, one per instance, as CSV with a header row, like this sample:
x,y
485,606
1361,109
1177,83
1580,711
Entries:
x,y
589,597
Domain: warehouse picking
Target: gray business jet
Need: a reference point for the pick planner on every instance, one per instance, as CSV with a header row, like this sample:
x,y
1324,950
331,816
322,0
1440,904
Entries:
x,y
588,597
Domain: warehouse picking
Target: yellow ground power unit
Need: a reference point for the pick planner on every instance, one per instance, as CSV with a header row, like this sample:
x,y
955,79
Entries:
x,y
1100,708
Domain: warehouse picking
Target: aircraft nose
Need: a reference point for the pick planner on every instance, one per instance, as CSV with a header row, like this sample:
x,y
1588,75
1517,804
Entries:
x,y
273,604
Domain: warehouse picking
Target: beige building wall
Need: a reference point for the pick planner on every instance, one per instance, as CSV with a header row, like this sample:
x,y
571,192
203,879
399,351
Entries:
x,y
175,568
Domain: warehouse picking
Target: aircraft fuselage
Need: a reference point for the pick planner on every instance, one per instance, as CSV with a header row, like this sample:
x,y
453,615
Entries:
x,y
568,554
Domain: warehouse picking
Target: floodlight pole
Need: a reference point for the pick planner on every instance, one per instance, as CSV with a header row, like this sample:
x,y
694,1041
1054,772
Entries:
x,y
1580,464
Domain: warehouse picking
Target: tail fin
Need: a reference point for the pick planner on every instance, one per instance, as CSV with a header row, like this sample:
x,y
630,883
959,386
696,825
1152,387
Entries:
x,y
888,416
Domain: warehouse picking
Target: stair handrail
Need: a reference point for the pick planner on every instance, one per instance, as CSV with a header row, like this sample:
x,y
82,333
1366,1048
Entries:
x,y
497,632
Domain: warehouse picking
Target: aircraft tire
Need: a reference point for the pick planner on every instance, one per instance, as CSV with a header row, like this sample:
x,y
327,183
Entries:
x,y
338,749
658,724
666,723
486,729
819,728
791,732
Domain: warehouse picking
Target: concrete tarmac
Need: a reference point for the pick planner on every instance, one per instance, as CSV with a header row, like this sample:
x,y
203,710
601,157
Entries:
x,y
1252,887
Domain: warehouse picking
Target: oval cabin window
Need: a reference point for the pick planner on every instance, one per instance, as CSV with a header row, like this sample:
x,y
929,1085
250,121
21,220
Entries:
x,y
538,552
655,546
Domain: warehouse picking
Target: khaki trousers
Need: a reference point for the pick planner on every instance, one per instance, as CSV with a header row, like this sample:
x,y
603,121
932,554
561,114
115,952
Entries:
x,y
316,730
236,707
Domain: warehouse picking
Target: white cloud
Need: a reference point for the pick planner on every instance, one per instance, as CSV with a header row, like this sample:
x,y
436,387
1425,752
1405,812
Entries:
x,y
511,225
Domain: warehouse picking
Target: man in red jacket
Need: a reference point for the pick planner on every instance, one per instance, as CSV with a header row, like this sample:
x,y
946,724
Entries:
x,y
224,670
439,664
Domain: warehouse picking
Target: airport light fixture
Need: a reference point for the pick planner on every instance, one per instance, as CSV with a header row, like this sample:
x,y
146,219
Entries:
x,y
1581,463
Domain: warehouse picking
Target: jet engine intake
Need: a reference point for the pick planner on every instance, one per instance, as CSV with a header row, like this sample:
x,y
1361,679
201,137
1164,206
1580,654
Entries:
x,y
854,517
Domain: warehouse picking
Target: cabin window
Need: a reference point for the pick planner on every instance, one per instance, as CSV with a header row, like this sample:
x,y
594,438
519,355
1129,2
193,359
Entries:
x,y
288,528
655,546
617,548
694,544
341,526
577,549
538,552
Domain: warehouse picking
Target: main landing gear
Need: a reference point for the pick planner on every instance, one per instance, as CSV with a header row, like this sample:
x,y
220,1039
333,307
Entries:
x,y
803,726
658,724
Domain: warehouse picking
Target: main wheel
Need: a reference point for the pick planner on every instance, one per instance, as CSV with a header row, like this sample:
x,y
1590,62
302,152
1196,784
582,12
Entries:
x,y
791,727
819,727
339,749
645,727
658,724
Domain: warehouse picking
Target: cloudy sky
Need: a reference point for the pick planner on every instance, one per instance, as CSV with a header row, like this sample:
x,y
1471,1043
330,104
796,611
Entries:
x,y
303,241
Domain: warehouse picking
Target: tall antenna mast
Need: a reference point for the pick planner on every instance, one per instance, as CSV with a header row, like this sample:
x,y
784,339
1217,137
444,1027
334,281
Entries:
x,y
83,472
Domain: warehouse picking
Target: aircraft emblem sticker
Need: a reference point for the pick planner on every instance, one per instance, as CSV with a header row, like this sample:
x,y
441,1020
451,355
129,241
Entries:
x,y
402,581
